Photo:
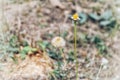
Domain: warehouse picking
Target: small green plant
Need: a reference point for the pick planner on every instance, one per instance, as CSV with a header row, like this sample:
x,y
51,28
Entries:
x,y
99,44
26,50
105,20
15,48
14,41
54,55
70,56
43,45
58,43
58,74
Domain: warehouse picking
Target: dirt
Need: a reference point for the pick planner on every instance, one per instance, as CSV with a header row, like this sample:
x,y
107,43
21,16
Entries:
x,y
33,20
33,67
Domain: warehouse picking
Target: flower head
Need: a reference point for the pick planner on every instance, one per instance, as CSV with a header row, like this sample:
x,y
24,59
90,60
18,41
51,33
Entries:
x,y
75,16
58,42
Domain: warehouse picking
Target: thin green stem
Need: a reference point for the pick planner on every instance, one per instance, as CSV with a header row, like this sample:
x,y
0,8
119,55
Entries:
x,y
61,52
63,56
75,50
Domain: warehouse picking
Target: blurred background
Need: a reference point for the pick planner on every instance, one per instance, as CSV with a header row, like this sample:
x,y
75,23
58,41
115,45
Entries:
x,y
28,26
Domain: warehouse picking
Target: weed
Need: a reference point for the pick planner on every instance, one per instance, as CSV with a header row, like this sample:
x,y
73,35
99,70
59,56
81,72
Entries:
x,y
99,44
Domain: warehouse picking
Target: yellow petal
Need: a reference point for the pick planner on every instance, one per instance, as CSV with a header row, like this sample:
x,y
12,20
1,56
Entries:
x,y
75,16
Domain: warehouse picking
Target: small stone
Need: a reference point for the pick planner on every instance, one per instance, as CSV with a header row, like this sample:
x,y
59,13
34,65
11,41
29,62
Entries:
x,y
104,61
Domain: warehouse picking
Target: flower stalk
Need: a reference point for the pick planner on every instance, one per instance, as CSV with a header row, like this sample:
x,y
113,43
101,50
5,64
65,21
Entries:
x,y
75,18
75,49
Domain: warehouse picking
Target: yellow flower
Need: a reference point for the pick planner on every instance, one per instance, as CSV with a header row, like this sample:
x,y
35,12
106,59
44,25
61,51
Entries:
x,y
58,42
75,17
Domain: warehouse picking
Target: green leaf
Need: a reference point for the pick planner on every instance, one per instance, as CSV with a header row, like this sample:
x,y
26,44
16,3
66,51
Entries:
x,y
23,55
13,49
110,23
64,34
106,15
28,48
99,44
94,16
54,55
96,39
13,41
25,50
105,23
71,56
43,44
83,18
24,43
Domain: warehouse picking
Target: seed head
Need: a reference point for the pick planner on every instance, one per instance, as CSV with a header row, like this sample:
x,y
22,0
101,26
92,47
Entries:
x,y
58,42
